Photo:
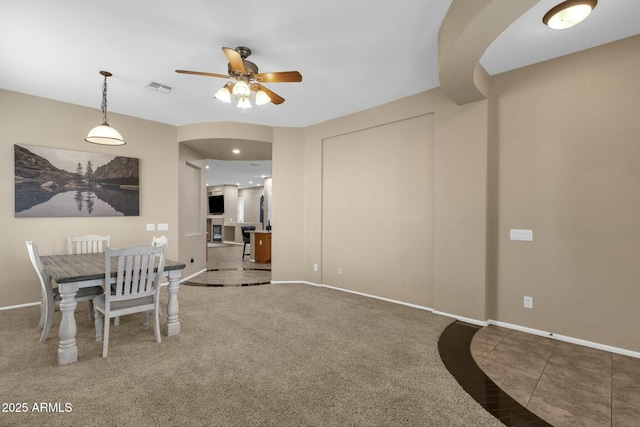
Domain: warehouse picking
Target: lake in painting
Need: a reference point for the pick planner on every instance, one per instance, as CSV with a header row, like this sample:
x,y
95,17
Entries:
x,y
63,183
103,202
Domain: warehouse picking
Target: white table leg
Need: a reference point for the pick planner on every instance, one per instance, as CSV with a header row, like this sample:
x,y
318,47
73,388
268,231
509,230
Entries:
x,y
173,324
67,348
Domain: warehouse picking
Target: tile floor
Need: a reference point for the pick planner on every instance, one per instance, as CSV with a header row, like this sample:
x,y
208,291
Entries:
x,y
564,384
227,267
454,348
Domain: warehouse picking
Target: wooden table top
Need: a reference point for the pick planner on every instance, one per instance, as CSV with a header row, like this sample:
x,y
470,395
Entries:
x,y
79,267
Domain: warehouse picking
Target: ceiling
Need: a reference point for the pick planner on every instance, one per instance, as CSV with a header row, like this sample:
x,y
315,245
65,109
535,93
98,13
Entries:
x,y
353,55
243,173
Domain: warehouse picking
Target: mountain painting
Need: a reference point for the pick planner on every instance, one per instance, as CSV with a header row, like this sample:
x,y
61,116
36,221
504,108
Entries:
x,y
50,182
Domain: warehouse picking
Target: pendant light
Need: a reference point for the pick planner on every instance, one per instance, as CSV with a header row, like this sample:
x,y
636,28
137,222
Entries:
x,y
104,134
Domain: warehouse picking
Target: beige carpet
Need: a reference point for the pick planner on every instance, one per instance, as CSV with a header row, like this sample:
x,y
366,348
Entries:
x,y
272,355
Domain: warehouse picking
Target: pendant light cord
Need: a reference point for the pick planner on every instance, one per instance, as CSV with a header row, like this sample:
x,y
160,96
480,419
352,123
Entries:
x,y
104,100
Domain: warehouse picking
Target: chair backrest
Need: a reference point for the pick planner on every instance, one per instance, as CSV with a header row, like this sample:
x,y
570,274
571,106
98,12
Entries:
x,y
160,241
246,236
45,279
88,244
135,267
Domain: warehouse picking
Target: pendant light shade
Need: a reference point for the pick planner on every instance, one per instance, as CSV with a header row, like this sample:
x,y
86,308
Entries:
x,y
223,94
104,134
244,103
241,89
262,98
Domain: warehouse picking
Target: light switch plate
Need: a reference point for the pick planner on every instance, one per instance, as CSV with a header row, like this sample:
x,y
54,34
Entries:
x,y
163,226
522,235
151,227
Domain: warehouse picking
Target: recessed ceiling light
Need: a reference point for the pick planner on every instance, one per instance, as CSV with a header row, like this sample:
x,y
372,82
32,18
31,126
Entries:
x,y
569,13
236,151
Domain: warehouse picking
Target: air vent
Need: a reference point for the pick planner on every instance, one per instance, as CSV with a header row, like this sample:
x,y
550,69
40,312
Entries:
x,y
159,87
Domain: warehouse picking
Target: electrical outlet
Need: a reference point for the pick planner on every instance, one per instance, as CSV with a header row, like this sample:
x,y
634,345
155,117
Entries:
x,y
340,270
315,267
528,302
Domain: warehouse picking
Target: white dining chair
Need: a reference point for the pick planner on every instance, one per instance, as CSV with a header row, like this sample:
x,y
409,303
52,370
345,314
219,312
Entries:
x,y
51,296
160,241
88,244
136,288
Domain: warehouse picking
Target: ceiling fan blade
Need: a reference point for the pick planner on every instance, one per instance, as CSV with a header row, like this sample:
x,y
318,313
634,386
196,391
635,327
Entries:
x,y
234,59
279,77
200,73
275,98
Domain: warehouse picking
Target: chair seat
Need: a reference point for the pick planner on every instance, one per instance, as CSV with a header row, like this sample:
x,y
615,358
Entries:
x,y
99,302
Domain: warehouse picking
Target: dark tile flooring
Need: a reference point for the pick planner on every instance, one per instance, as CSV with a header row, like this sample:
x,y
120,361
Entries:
x,y
564,383
454,347
522,379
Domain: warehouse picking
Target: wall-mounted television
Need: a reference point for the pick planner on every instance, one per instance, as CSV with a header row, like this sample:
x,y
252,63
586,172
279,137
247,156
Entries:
x,y
216,205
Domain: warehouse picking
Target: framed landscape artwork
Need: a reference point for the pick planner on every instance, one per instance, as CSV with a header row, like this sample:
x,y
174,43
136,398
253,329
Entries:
x,y
50,182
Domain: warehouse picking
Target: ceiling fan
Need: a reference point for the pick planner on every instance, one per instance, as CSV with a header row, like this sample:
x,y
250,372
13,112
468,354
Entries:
x,y
246,80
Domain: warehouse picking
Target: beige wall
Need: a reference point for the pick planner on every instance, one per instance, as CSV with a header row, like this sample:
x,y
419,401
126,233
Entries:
x,y
193,210
251,203
554,149
457,210
288,186
37,121
377,210
568,167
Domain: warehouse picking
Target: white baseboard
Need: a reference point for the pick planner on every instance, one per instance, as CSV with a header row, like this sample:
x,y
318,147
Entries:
x,y
461,318
568,339
29,304
419,307
284,282
528,330
532,331
184,279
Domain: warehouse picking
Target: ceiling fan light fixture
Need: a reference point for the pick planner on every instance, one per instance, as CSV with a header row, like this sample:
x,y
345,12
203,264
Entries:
x,y
262,97
568,14
245,80
223,94
104,134
241,89
244,102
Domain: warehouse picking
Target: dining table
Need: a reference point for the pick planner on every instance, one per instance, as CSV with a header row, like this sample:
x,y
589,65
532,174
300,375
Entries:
x,y
74,271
